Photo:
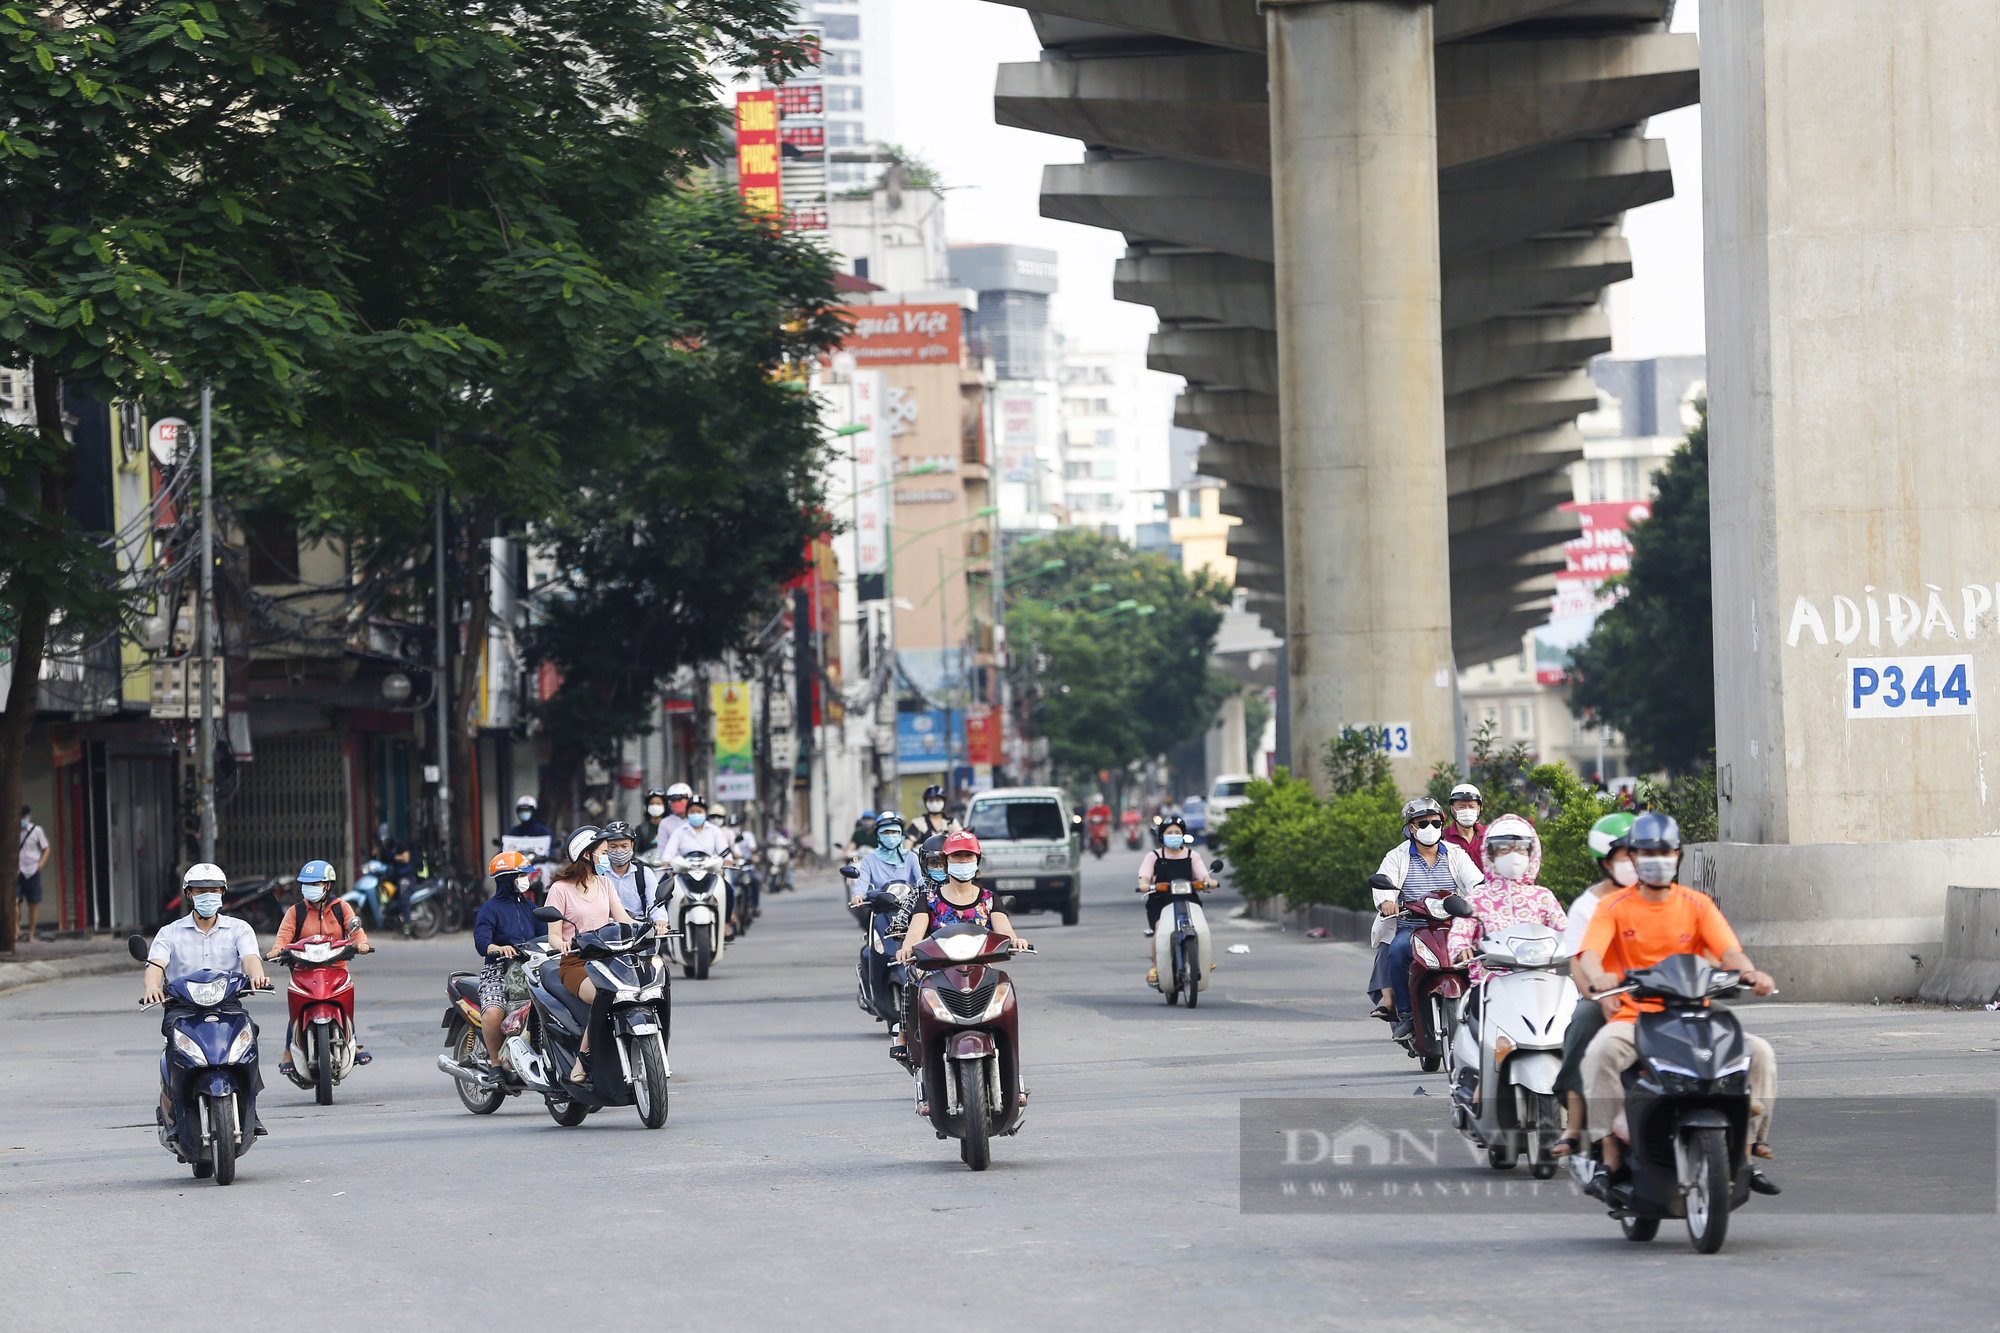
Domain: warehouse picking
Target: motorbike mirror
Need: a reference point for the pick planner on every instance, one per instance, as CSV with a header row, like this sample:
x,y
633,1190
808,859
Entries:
x,y
548,914
1216,864
137,944
850,872
1382,882
1456,905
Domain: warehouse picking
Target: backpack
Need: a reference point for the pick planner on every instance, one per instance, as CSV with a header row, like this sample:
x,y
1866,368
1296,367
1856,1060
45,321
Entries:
x,y
343,913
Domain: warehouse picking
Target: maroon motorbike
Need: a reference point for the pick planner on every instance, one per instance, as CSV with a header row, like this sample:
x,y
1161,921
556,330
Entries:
x,y
1436,983
965,1039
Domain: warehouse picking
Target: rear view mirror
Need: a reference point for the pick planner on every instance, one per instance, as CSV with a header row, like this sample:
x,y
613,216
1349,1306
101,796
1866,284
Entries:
x,y
137,944
850,872
1382,882
1217,864
1456,905
550,914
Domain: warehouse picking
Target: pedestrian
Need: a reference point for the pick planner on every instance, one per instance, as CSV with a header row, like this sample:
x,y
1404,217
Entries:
x,y
34,855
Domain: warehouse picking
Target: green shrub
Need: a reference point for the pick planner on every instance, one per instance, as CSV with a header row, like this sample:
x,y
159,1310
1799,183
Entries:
x,y
1505,787
1690,800
1568,867
1287,843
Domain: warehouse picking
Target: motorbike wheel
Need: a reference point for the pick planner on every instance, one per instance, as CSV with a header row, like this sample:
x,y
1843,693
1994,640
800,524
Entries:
x,y
203,1170
703,958
469,1048
1190,978
975,1149
424,919
1708,1191
567,1113
1544,1125
1430,1064
1640,1228
649,1084
322,1057
222,1138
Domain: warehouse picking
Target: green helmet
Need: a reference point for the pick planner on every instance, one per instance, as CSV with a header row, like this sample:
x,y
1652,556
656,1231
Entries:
x,y
1608,833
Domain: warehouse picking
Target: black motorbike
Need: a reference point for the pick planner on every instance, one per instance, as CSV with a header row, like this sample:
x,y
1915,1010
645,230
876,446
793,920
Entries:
x,y
1687,1107
880,979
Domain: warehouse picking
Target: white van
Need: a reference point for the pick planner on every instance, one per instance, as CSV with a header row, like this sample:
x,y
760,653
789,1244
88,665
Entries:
x,y
1225,794
1033,849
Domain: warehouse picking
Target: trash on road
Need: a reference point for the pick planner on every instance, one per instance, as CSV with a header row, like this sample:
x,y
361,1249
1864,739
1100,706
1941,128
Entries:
x,y
1316,933
1239,948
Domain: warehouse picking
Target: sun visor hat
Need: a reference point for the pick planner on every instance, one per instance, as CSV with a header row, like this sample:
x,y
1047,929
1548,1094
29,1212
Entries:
x,y
581,841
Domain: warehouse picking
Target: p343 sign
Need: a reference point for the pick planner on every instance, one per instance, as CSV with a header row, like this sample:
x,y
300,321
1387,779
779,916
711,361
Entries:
x,y
1909,687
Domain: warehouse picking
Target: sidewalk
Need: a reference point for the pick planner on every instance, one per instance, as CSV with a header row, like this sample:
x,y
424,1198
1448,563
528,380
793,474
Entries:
x,y
52,960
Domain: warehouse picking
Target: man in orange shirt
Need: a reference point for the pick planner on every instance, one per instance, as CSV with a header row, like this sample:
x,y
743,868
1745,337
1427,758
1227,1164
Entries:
x,y
1636,928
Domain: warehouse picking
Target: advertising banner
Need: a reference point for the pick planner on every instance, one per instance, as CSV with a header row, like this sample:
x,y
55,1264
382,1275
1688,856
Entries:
x,y
871,474
758,170
905,335
1017,437
735,760
982,736
920,741
1601,550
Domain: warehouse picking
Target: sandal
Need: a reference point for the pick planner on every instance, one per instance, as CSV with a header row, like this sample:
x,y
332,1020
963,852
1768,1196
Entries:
x,y
1761,1149
1152,976
287,1068
1385,1012
1569,1145
361,1056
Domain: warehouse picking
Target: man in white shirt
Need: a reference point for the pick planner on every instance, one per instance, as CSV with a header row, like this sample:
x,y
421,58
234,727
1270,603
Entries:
x,y
204,939
34,855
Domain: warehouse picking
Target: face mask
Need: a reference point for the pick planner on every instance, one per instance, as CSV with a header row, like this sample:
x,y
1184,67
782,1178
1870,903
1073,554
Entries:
x,y
1511,865
656,809
313,892
1658,870
1624,874
697,819
1429,836
524,814
620,857
601,863
964,870
935,807
27,823
891,852
1466,818
207,904
1173,840
937,874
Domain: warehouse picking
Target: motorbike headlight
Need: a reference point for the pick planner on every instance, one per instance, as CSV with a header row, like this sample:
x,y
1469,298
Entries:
x,y
1423,953
1003,994
207,994
1737,1066
650,991
187,1046
1535,953
239,1050
936,1006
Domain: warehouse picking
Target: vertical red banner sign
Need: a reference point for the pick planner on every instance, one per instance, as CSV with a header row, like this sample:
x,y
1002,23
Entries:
x,y
757,152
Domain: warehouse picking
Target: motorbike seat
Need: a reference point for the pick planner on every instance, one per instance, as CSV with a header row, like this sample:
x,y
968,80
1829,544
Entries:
x,y
552,979
465,984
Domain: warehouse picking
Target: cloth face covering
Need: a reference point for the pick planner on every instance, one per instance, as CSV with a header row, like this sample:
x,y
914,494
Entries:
x,y
1657,870
621,857
1429,836
964,870
207,904
1511,865
312,893
1624,874
697,819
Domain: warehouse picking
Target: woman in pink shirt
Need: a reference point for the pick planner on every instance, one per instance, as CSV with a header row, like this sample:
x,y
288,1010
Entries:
x,y
1511,856
583,893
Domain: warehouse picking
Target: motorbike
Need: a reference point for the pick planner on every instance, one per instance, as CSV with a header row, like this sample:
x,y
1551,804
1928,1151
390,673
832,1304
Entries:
x,y
695,931
1436,983
966,1043
879,978
257,900
1181,956
1687,1108
465,1048
209,1069
1100,840
628,1019
429,909
372,892
1508,1050
1132,835
742,900
778,860
321,1000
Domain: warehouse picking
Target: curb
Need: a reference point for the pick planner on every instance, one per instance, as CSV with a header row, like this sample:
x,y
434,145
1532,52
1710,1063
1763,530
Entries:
x,y
15,975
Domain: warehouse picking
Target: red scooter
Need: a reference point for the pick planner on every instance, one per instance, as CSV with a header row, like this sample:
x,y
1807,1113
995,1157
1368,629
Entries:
x,y
1100,840
321,996
1436,983
968,1051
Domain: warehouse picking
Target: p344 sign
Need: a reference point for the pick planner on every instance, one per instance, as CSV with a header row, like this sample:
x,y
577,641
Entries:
x,y
1909,687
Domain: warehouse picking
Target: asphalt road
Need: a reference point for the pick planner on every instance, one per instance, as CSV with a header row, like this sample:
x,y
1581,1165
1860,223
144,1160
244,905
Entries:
x,y
794,1186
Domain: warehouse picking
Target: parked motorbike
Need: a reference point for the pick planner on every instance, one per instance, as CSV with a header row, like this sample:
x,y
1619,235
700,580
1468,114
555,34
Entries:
x,y
372,892
258,899
209,1069
880,979
627,1021
1436,983
1508,1049
695,907
321,1000
966,1043
1182,958
1687,1108
429,908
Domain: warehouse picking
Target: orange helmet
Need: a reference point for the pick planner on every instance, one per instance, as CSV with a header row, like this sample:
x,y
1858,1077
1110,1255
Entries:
x,y
507,863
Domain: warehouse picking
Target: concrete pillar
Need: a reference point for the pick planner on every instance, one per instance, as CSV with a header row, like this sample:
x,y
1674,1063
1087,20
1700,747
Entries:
x,y
1355,229
1852,214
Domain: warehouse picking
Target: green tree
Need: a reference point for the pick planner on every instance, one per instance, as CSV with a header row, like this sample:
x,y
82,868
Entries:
x,y
1501,774
1568,865
1111,681
1287,843
1648,667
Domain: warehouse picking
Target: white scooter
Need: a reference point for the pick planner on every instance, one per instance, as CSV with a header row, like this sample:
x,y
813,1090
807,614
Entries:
x,y
1182,959
1508,1049
694,931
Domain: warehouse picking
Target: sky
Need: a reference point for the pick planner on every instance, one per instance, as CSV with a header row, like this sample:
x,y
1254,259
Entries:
x,y
945,54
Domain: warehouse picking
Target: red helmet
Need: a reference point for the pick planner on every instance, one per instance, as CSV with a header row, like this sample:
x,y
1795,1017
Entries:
x,y
962,841
507,863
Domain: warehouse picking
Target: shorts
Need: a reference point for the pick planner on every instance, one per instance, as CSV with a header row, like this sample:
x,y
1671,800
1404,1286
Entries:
x,y
574,973
502,984
31,889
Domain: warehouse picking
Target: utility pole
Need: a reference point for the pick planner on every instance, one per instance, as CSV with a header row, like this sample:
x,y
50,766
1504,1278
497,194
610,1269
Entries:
x,y
205,631
441,692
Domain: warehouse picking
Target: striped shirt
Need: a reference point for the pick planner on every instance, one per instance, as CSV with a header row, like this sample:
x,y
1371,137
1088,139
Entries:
x,y
1424,880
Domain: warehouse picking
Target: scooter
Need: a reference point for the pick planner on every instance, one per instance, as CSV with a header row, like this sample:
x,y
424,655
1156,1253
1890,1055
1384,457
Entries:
x,y
1687,1108
742,900
778,857
1508,1050
465,1047
1100,840
1132,835
209,1070
626,1020
695,920
1182,958
371,891
321,999
880,979
966,1045
1436,983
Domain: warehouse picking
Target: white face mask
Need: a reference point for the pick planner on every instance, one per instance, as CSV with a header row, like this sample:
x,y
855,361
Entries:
x,y
1466,817
1429,836
656,809
1658,870
1624,874
935,807
1511,865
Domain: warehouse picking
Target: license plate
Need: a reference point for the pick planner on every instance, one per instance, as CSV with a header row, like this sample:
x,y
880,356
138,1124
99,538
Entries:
x,y
1008,885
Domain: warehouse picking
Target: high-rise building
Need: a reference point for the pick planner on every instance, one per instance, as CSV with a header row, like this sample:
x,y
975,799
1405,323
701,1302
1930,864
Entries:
x,y
1116,470
858,98
1010,329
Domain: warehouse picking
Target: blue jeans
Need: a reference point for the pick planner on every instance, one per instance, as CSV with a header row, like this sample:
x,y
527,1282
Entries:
x,y
1400,950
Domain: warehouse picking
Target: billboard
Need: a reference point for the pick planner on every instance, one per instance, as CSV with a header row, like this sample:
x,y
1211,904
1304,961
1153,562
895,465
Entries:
x,y
1600,551
920,741
1017,436
871,473
735,765
905,335
758,169
982,735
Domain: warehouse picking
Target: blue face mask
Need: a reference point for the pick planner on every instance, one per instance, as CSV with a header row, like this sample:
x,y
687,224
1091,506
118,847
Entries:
x,y
964,870
207,904
891,851
937,874
602,863
697,819
312,893
1173,840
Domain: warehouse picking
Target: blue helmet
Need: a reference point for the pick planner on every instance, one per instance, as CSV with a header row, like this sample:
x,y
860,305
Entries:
x,y
887,820
316,872
1653,832
868,814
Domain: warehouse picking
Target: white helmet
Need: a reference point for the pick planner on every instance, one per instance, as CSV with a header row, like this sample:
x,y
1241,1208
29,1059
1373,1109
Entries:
x,y
527,803
1465,791
204,876
680,791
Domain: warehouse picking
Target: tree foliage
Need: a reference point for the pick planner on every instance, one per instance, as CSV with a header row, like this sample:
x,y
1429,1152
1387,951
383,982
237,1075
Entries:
x,y
1287,843
1648,667
1113,684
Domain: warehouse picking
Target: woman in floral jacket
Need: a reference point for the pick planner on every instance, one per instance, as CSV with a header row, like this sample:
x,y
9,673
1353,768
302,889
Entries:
x,y
1511,856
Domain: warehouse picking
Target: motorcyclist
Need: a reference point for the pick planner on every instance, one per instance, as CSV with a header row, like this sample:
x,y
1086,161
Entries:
x,y
637,886
1510,858
1421,865
1613,850
678,797
1097,818
656,810
743,845
204,939
1654,920
1175,862
886,863
863,837
505,922
319,913
1464,827
956,900
699,833
397,854
582,892
932,871
529,834
933,820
